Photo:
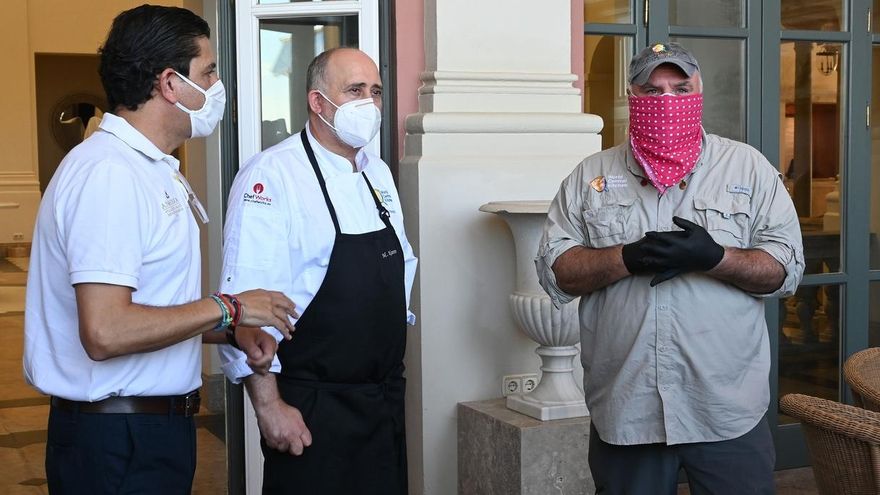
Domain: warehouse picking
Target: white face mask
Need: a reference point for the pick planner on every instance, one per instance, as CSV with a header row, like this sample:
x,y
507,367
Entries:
x,y
205,119
356,122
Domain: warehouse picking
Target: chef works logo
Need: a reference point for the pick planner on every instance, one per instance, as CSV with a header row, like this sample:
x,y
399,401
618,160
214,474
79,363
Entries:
x,y
257,196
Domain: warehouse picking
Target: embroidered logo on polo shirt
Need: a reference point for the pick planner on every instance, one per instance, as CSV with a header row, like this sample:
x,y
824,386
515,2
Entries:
x,y
257,196
172,205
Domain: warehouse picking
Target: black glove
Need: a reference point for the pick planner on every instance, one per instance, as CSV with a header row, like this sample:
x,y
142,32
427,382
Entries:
x,y
691,250
636,259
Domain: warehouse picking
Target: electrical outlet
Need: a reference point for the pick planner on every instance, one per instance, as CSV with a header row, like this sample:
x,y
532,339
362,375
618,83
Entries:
x,y
18,236
511,385
529,382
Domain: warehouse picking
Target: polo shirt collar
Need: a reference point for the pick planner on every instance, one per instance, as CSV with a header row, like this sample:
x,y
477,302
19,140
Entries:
x,y
120,128
335,164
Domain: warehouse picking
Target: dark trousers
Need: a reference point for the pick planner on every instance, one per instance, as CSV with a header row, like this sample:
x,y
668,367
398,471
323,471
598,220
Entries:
x,y
740,466
94,454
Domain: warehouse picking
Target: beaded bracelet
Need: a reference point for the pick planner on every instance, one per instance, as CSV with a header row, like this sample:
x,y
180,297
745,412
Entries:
x,y
227,318
237,307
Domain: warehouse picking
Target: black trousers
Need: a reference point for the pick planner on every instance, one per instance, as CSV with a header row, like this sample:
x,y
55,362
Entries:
x,y
94,454
739,466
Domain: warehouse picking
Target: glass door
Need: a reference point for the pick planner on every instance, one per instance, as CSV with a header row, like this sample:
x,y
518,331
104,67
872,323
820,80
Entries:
x,y
275,42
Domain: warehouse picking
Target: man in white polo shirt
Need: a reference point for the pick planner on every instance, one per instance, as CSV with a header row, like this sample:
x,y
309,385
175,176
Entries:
x,y
114,319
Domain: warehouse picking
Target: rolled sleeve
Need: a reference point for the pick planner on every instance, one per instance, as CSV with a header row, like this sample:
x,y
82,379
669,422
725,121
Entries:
x,y
792,260
547,254
563,230
778,233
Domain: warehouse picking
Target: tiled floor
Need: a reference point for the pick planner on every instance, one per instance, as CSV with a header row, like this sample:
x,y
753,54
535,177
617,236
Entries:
x,y
24,411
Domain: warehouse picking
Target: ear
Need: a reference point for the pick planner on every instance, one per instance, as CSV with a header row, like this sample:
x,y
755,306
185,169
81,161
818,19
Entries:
x,y
167,84
316,101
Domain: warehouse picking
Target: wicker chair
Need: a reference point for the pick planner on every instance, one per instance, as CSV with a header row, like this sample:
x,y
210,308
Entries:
x,y
844,444
862,373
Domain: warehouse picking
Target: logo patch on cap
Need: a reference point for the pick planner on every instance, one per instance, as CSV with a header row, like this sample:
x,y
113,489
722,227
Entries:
x,y
659,48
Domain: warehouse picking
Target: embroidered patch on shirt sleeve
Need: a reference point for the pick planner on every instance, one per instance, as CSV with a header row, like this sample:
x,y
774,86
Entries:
x,y
257,195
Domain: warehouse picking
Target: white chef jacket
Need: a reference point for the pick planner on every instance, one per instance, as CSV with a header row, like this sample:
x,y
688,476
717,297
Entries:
x,y
279,234
114,213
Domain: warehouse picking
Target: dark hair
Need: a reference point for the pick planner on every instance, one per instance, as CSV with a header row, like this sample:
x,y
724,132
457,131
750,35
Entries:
x,y
142,43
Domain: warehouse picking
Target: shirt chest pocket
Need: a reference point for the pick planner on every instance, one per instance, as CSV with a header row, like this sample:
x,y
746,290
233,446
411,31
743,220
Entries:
x,y
726,219
606,223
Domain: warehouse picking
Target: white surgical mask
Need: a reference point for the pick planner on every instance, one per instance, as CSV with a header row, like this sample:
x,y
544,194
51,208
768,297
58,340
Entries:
x,y
356,122
205,119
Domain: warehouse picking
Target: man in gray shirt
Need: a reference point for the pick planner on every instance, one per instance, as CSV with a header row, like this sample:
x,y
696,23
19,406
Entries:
x,y
672,239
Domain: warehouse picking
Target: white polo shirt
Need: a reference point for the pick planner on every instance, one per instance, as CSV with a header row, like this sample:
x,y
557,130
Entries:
x,y
114,213
279,234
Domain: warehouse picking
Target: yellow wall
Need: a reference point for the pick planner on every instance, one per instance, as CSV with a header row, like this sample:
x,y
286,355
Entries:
x,y
41,26
16,92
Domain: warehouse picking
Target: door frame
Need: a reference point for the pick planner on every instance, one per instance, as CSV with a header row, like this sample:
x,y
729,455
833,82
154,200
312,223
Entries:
x,y
248,15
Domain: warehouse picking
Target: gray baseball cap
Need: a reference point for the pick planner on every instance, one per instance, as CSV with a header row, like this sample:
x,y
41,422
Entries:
x,y
643,63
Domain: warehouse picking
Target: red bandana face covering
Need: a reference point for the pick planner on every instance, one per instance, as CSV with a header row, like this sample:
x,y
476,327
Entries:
x,y
666,136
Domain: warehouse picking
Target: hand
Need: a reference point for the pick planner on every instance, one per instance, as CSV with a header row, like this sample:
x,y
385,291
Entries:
x,y
267,308
636,258
692,249
259,346
283,428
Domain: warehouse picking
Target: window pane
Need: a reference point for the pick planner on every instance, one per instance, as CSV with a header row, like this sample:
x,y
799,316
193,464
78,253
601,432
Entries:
x,y
715,13
608,11
723,68
875,160
875,13
809,343
606,61
287,46
819,15
811,150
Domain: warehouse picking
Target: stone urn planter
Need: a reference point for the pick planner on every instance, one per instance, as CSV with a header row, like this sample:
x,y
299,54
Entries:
x,y
557,396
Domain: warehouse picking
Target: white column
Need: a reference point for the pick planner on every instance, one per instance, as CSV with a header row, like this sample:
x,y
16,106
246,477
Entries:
x,y
499,119
19,182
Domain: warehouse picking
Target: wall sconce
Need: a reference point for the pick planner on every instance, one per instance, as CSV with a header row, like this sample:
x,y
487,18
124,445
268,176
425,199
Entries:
x,y
827,60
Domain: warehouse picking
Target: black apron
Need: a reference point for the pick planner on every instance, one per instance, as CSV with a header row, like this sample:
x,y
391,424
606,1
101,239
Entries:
x,y
343,370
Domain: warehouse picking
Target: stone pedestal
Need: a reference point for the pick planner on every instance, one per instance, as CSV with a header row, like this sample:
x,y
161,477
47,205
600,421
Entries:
x,y
503,452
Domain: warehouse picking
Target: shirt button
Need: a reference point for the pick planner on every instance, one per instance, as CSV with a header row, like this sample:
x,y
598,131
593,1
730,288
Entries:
x,y
662,307
662,348
664,388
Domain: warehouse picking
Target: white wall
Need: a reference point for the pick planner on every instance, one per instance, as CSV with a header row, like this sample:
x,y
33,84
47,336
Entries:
x,y
499,119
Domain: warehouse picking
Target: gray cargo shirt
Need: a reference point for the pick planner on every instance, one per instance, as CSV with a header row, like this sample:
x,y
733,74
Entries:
x,y
689,360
